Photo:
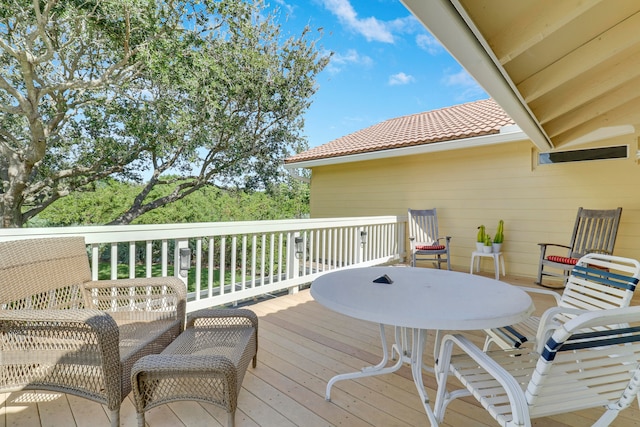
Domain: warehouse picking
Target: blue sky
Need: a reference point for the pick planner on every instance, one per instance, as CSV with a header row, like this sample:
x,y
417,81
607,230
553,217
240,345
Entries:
x,y
384,65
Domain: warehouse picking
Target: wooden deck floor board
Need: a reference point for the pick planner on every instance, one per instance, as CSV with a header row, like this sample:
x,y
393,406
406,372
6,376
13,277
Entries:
x,y
301,346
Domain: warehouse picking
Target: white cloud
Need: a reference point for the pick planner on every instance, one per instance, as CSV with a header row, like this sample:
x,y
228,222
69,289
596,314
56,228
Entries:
x,y
401,79
468,86
429,43
338,60
461,78
371,28
408,25
352,56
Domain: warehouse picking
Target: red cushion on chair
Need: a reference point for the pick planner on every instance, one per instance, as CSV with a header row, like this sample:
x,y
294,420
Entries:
x,y
563,259
430,248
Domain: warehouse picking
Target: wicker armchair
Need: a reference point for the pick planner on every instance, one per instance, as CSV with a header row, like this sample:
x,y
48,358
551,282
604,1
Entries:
x,y
63,332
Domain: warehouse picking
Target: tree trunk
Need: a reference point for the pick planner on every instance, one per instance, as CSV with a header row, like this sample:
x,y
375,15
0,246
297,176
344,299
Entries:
x,y
16,180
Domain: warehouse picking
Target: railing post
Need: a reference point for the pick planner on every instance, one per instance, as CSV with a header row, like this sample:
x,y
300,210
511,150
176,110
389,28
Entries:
x,y
401,239
361,241
295,255
182,260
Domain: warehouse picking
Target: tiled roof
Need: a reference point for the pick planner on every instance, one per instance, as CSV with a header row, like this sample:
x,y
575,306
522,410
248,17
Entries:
x,y
477,118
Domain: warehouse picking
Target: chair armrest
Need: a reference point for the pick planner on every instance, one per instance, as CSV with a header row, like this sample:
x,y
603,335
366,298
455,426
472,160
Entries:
x,y
554,244
150,294
548,323
554,294
507,381
412,243
81,337
174,283
544,246
598,251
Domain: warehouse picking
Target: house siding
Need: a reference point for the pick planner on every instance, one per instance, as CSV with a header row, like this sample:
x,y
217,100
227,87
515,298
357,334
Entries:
x,y
482,185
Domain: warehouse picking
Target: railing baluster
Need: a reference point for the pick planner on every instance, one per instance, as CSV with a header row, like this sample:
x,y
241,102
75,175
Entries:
x,y
198,275
271,258
222,263
243,269
254,247
148,258
114,261
263,251
132,260
280,238
95,261
324,249
233,267
165,254
212,268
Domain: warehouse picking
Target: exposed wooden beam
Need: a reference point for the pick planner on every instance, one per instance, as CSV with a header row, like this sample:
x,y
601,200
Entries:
x,y
621,78
625,93
544,18
627,113
595,52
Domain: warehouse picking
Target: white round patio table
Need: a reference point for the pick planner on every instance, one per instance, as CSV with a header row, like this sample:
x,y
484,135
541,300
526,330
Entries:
x,y
418,299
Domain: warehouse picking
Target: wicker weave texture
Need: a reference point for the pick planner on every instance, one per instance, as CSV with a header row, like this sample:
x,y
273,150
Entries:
x,y
61,331
29,269
207,362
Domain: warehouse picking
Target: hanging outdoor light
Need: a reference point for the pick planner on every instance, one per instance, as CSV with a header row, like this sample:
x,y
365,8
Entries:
x,y
363,238
185,261
299,241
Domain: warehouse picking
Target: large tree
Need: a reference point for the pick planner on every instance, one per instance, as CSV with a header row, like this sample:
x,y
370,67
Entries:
x,y
182,93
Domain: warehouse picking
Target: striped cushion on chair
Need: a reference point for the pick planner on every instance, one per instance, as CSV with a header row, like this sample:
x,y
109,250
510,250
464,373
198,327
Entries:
x,y
563,259
430,248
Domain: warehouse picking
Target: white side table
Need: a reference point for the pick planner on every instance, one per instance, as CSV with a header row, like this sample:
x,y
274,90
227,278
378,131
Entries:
x,y
497,257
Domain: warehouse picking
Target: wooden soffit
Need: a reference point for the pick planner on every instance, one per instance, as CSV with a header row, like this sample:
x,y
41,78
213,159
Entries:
x,y
563,70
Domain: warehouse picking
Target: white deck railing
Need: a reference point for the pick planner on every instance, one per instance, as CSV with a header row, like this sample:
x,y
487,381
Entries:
x,y
229,262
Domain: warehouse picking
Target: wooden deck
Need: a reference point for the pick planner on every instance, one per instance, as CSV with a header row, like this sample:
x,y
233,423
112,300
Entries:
x,y
301,346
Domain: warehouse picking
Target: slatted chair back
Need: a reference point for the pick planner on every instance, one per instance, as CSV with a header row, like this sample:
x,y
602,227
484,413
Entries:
x,y
43,273
425,242
592,360
594,231
423,226
597,282
600,282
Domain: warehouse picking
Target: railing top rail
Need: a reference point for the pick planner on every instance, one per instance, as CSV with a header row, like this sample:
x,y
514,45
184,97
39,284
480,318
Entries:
x,y
125,233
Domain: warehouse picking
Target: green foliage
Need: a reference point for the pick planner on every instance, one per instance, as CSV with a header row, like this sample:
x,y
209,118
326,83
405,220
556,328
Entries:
x,y
207,204
175,96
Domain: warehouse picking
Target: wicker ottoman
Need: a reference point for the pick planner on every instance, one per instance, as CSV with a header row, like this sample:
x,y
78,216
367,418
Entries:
x,y
206,363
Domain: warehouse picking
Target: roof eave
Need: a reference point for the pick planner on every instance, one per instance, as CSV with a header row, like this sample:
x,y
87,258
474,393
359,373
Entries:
x,y
456,32
508,134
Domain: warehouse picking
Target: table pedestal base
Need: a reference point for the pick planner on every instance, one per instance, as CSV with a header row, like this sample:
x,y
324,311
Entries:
x,y
412,355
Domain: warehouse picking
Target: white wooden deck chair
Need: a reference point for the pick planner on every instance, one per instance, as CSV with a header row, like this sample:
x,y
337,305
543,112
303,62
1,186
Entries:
x,y
591,361
596,282
594,231
426,243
